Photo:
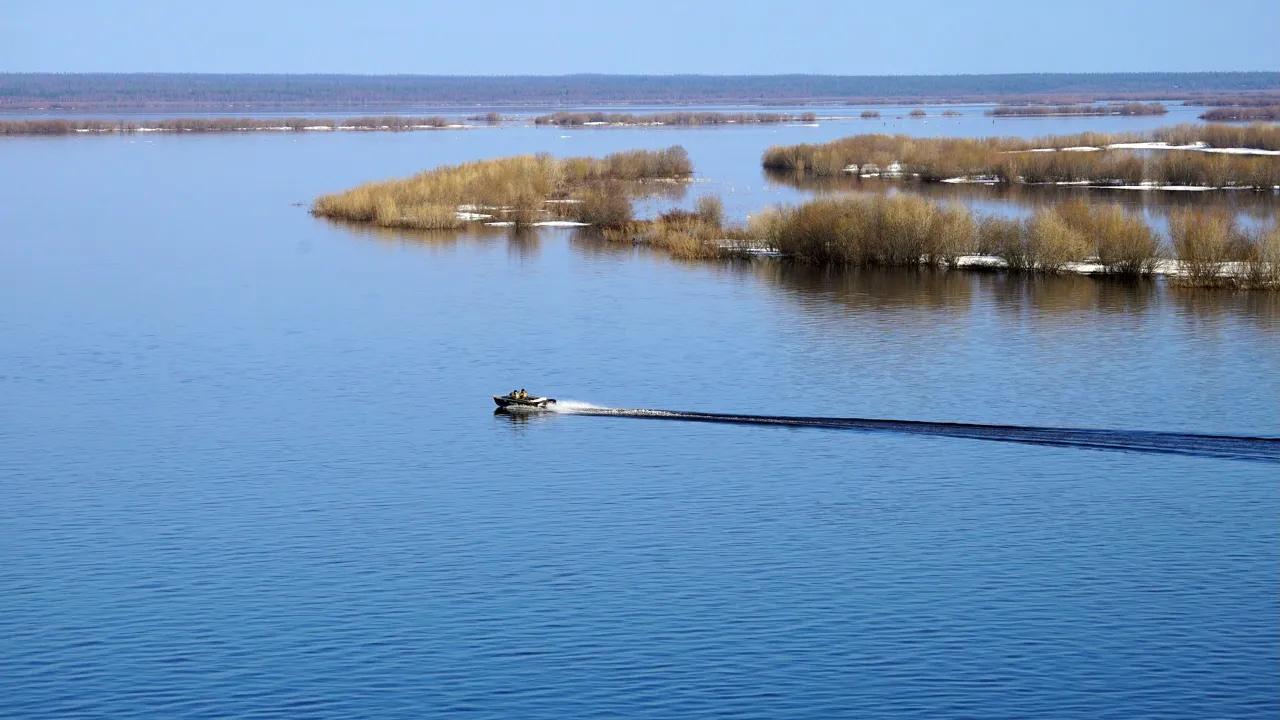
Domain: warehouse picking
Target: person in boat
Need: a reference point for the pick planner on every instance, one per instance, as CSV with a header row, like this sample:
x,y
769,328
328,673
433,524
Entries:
x,y
523,395
515,395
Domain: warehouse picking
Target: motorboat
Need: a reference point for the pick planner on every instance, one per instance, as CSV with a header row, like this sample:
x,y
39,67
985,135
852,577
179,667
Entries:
x,y
516,402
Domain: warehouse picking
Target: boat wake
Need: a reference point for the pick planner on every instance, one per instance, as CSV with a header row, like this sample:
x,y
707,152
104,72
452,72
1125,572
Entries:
x,y
574,407
1257,449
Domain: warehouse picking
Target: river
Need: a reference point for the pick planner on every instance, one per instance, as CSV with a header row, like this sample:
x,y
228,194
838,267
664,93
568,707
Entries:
x,y
250,468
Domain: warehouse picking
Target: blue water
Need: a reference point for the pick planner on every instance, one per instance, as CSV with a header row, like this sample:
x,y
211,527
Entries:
x,y
249,467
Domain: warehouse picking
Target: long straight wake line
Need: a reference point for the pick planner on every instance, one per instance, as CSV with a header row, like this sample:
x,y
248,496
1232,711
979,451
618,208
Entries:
x,y
1257,449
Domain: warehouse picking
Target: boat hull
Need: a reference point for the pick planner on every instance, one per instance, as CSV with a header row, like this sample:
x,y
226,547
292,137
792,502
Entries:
x,y
533,404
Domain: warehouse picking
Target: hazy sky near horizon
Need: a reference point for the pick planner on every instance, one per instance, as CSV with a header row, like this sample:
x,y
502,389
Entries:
x,y
528,37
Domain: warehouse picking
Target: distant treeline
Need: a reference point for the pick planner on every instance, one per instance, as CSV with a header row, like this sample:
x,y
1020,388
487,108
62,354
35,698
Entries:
x,y
1230,114
1111,109
220,124
673,118
150,90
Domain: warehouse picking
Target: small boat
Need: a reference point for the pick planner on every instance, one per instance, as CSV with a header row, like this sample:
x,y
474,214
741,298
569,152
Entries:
x,y
529,403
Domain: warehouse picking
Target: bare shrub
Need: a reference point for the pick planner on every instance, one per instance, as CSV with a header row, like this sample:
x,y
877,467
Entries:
x,y
1124,243
1201,240
1262,257
870,115
999,236
901,233
952,232
1264,136
710,208
605,205
1044,243
1052,242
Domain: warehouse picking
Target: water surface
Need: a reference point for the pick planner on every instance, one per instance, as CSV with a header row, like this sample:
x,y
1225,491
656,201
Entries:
x,y
250,467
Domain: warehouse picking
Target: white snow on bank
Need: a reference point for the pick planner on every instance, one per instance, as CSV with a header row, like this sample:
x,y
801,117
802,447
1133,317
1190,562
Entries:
x,y
1090,267
1240,151
1197,147
544,223
1148,185
1154,146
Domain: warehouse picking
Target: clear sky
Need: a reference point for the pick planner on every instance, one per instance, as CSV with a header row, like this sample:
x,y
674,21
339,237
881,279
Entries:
x,y
487,37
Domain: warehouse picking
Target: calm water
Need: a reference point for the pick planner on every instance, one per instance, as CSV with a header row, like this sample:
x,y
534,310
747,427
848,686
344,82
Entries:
x,y
249,467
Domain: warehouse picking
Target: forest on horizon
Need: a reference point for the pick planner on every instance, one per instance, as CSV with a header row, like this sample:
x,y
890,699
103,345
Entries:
x,y
85,91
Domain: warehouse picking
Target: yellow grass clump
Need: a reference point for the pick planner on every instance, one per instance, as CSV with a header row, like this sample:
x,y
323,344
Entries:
x,y
1011,160
514,188
1202,240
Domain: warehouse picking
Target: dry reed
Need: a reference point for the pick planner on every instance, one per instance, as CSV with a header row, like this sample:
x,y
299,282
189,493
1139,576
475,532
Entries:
x,y
673,118
1009,159
1053,110
513,189
1202,240
1270,113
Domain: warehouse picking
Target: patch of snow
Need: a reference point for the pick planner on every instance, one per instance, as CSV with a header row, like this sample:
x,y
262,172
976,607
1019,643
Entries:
x,y
544,223
1153,146
1240,151
1152,186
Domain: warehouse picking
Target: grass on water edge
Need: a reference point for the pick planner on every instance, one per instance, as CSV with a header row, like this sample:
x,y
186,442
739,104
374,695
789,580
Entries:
x,y
906,231
1012,160
849,230
516,189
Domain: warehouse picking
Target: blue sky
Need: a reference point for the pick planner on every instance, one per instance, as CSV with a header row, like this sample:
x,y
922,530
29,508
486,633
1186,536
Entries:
x,y
484,37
